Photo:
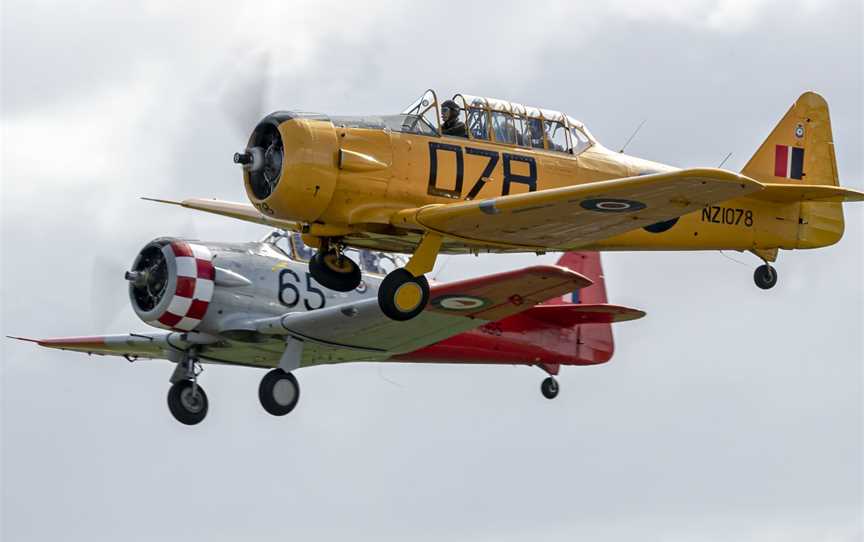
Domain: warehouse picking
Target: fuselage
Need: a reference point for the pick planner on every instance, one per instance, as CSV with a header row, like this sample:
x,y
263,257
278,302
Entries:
x,y
346,177
254,281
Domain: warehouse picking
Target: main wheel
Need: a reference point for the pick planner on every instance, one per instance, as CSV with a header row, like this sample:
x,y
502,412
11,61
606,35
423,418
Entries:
x,y
188,406
402,296
279,392
765,277
549,388
334,271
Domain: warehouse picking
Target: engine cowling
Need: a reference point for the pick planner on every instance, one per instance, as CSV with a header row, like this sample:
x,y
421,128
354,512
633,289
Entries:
x,y
290,165
171,283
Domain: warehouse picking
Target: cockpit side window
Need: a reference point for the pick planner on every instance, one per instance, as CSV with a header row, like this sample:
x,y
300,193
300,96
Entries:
x,y
533,134
299,250
505,130
519,123
378,263
578,140
478,123
556,136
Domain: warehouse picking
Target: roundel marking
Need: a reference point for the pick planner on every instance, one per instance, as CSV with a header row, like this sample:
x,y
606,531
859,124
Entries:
x,y
799,131
660,227
459,302
612,205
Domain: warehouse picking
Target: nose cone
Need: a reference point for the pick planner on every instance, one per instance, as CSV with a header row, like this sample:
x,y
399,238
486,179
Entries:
x,y
290,165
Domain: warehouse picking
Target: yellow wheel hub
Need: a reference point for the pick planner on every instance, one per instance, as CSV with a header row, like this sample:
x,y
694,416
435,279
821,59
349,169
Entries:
x,y
337,264
408,296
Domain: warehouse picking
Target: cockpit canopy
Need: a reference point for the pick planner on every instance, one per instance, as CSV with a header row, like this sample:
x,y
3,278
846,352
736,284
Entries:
x,y
499,121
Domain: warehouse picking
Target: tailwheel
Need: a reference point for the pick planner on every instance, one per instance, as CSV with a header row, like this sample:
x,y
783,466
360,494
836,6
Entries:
x,y
402,296
279,392
335,271
187,402
549,388
765,277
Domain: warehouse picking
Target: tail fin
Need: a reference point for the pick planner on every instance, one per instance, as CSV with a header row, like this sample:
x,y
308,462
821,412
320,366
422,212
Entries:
x,y
799,149
588,264
585,311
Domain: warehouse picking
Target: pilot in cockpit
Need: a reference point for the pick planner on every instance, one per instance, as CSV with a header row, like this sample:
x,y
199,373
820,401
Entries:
x,y
535,133
452,126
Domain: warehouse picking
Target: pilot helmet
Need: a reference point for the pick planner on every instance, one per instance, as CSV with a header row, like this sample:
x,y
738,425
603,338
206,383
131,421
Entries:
x,y
451,105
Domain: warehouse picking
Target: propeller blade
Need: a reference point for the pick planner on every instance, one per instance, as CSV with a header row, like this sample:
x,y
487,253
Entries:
x,y
108,289
246,93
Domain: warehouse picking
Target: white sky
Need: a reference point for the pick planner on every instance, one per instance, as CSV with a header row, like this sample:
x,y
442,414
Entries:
x,y
727,414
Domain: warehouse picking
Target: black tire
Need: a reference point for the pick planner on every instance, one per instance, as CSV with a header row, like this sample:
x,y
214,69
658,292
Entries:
x,y
549,388
325,268
279,392
187,408
765,277
392,286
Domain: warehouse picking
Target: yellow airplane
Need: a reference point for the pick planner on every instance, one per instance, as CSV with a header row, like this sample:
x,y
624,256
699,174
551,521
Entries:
x,y
498,176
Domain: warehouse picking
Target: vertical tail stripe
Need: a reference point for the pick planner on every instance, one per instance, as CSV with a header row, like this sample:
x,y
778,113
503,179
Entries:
x,y
781,157
796,163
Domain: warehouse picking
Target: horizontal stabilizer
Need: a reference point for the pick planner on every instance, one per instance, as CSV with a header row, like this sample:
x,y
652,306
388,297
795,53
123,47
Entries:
x,y
572,315
240,211
791,193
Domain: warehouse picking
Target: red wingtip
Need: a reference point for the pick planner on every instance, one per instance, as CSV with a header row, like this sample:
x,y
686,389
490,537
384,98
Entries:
x,y
64,341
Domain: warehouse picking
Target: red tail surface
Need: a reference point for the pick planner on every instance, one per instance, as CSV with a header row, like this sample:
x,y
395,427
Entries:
x,y
587,264
585,313
574,329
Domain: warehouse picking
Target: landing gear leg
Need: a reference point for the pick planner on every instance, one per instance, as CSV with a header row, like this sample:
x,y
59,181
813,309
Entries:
x,y
187,400
332,269
404,292
765,276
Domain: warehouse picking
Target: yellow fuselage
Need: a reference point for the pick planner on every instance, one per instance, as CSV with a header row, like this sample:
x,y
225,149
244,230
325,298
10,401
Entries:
x,y
348,182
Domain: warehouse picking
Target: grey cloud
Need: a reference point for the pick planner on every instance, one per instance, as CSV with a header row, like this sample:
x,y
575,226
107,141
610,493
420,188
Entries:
x,y
727,414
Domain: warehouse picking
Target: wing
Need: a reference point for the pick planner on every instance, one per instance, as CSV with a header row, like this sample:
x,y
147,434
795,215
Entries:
x,y
569,217
360,330
240,211
161,345
353,331
144,345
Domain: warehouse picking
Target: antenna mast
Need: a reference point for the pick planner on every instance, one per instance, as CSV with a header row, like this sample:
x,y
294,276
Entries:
x,y
636,131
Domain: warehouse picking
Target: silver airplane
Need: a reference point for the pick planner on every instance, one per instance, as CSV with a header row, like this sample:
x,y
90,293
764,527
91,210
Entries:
x,y
256,304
